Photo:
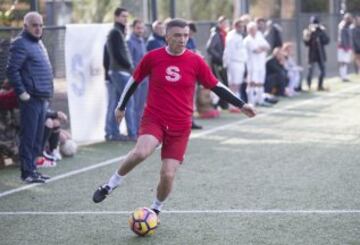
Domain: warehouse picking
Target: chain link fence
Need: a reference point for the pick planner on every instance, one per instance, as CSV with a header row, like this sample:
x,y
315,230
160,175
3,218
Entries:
x,y
54,40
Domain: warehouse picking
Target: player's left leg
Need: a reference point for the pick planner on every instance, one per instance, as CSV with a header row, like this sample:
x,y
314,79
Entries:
x,y
167,177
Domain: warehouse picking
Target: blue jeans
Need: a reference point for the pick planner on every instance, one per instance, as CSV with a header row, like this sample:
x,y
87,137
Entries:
x,y
139,101
111,126
119,81
32,121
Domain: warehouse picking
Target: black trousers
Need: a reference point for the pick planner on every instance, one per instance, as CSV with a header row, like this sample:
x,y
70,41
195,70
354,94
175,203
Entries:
x,y
321,66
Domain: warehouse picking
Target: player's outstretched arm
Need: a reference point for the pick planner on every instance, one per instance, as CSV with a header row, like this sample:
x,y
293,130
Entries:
x,y
224,93
129,90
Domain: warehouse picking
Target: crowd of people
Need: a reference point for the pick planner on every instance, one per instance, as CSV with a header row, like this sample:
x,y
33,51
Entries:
x,y
251,59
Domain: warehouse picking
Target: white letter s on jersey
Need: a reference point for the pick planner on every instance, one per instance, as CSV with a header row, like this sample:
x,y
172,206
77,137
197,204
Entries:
x,y
173,74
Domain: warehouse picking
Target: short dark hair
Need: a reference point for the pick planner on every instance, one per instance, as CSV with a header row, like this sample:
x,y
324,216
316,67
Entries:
x,y
192,27
135,22
119,10
176,23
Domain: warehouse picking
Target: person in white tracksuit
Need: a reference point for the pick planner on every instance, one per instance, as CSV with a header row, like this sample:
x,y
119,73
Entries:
x,y
257,48
234,59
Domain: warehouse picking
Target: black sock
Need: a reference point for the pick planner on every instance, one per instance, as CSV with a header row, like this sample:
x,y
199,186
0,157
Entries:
x,y
54,139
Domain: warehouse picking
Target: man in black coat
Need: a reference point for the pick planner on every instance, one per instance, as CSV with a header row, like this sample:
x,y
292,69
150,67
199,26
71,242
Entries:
x,y
315,38
276,76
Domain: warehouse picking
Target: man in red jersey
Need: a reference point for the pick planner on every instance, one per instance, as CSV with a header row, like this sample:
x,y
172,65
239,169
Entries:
x,y
173,72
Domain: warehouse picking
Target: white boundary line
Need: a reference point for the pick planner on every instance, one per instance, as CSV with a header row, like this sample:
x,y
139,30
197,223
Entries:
x,y
227,211
198,135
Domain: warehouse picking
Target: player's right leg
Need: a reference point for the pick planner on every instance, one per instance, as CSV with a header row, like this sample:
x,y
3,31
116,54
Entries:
x,y
145,146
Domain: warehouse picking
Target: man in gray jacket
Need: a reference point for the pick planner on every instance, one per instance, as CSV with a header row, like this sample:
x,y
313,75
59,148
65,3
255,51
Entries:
x,y
344,50
120,69
356,43
30,73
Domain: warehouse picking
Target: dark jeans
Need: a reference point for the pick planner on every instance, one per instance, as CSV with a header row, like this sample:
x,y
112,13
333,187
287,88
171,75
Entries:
x,y
119,81
321,75
275,84
32,121
111,126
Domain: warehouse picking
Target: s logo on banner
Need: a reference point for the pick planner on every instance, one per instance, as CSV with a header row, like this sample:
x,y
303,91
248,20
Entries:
x,y
173,74
77,71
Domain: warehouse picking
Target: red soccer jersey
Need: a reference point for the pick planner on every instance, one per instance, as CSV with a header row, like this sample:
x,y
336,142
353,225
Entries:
x,y
172,82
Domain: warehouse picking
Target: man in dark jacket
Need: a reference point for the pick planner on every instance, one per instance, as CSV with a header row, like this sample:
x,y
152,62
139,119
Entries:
x,y
315,38
157,38
30,73
356,43
276,76
120,70
137,48
215,48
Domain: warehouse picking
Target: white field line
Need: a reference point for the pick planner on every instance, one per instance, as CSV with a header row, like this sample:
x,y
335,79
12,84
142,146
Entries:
x,y
226,211
196,135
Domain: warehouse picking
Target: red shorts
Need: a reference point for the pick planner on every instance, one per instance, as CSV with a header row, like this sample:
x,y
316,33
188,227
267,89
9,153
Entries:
x,y
174,141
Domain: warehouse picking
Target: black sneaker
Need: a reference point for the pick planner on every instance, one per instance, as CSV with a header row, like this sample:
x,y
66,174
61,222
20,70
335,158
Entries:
x,y
43,176
33,178
101,193
195,126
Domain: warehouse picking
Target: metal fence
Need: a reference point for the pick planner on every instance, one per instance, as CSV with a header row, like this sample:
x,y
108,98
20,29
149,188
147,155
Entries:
x,y
54,40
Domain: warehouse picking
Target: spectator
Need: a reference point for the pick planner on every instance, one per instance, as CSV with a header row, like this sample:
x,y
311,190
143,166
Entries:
x,y
50,143
136,44
276,75
256,47
273,34
191,44
235,56
215,48
120,69
9,124
315,38
344,46
293,70
30,73
356,42
157,38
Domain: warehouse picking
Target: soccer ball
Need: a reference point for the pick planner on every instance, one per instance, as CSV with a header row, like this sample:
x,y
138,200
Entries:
x,y
69,148
143,222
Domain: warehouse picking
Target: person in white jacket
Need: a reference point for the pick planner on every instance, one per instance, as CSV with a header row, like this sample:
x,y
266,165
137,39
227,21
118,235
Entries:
x,y
234,59
257,48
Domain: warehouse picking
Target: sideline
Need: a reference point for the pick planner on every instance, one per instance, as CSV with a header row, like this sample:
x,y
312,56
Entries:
x,y
192,136
226,211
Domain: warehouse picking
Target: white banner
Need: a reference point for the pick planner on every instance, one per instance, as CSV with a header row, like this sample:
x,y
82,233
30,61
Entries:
x,y
87,96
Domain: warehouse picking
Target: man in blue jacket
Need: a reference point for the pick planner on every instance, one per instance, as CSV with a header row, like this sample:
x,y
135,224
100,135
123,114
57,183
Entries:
x,y
137,48
157,38
30,73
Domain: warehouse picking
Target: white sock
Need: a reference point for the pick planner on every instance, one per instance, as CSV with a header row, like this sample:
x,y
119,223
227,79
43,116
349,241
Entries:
x,y
115,180
157,204
343,71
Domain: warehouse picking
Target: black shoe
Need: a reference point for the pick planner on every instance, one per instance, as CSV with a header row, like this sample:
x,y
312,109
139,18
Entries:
x,y
157,214
101,193
196,126
272,100
33,178
43,176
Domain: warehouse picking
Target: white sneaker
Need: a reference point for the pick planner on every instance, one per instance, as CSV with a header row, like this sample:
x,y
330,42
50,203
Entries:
x,y
56,153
